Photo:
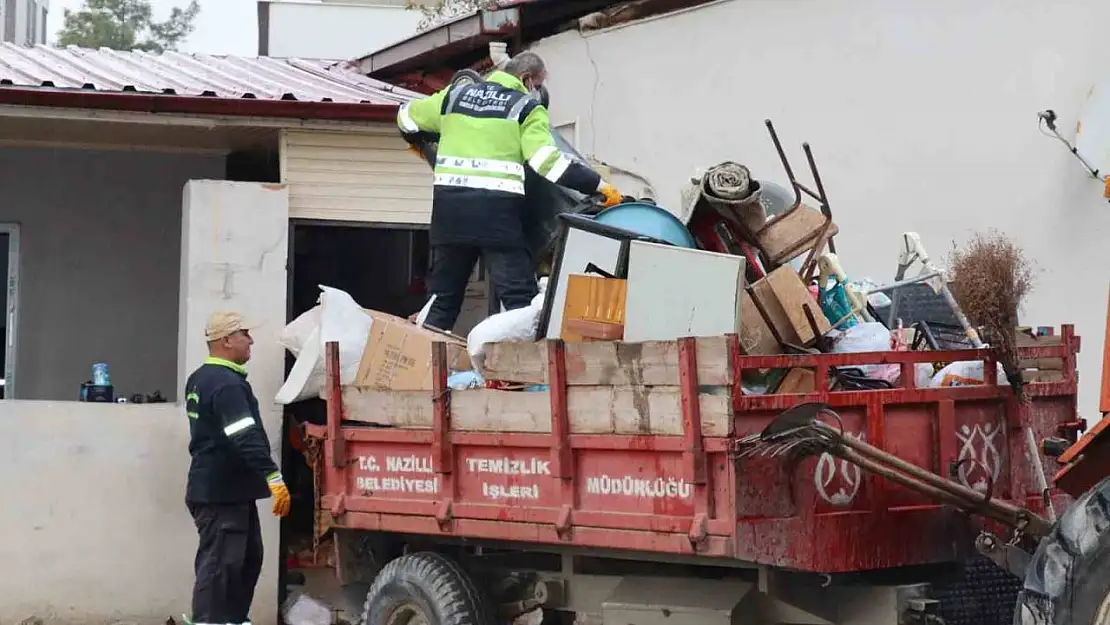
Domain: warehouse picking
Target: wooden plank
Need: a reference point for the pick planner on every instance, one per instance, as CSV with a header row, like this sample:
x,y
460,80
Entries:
x,y
1033,375
1044,364
651,363
1024,340
592,410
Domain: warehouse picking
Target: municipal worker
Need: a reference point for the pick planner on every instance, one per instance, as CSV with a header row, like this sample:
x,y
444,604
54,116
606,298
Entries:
x,y
230,470
487,132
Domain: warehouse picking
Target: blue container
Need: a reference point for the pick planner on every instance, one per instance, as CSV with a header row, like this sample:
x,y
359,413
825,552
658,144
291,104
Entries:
x,y
100,374
648,220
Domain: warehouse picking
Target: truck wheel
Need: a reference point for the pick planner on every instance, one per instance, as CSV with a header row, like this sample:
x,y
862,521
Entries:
x,y
424,588
1068,579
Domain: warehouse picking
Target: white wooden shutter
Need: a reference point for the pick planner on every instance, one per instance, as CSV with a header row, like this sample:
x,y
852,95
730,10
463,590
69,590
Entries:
x,y
361,175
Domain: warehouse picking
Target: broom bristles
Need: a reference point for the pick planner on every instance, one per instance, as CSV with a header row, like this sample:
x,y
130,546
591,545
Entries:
x,y
990,278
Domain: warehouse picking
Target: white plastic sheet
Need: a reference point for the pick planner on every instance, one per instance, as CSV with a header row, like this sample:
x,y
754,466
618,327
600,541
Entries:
x,y
965,373
337,318
301,609
869,337
513,325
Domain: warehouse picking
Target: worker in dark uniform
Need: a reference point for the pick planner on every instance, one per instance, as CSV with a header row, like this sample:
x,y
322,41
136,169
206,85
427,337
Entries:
x,y
230,470
487,132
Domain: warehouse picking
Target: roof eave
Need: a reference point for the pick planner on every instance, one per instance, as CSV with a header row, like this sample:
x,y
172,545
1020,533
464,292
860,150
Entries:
x,y
192,105
464,33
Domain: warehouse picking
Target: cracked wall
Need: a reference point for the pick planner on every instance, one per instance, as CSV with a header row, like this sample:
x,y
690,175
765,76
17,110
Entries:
x,y
922,117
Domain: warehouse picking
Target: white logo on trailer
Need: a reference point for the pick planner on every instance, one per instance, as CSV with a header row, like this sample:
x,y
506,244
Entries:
x,y
829,468
978,444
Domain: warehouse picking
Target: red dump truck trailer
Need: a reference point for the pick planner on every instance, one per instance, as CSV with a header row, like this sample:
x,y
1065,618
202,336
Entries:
x,y
641,485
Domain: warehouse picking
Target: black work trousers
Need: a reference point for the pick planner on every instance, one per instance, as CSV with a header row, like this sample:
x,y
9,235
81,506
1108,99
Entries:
x,y
228,563
512,276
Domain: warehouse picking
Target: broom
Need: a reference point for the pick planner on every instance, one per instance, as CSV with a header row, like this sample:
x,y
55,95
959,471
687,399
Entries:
x,y
990,279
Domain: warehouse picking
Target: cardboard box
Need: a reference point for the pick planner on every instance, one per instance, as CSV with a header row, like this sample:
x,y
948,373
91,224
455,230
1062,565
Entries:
x,y
398,355
784,298
756,338
798,381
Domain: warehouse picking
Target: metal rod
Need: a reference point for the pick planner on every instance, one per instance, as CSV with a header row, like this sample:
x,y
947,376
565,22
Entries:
x,y
975,499
785,162
824,199
925,277
1038,473
886,472
1035,525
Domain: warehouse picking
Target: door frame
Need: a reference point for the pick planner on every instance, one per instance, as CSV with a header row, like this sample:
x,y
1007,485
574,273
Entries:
x,y
10,340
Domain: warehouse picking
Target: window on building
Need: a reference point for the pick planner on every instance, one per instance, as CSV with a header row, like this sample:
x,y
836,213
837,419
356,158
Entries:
x,y
32,22
8,32
42,25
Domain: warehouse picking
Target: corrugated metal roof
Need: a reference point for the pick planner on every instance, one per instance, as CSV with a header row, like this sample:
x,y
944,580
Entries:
x,y
179,74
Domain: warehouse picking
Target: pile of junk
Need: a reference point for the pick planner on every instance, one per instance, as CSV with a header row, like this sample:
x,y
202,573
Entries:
x,y
748,257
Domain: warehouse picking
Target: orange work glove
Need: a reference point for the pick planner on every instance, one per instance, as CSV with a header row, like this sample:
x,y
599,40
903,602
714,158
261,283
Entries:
x,y
280,492
415,150
612,196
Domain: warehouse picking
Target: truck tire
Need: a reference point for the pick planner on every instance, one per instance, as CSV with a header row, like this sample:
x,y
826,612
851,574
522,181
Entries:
x,y
1068,579
424,588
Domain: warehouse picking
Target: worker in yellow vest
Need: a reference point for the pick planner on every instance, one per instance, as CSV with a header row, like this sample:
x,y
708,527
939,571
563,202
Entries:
x,y
488,132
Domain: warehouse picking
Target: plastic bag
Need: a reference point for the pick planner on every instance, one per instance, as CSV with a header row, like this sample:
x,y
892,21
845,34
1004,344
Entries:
x,y
302,609
294,335
865,286
965,373
868,337
513,325
337,318
464,380
343,321
835,305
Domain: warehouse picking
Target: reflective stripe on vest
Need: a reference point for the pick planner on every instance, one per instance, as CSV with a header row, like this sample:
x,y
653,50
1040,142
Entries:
x,y
509,168
482,122
549,162
405,121
480,182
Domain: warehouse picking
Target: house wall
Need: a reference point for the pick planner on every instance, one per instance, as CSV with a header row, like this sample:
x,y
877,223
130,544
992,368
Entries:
x,y
921,115
233,255
102,534
100,244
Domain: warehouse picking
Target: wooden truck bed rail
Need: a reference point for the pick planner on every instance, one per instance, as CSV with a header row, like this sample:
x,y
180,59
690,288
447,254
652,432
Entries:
x,y
630,448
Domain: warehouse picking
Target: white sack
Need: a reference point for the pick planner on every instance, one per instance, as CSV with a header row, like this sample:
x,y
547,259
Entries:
x,y
294,335
965,373
338,318
868,337
513,325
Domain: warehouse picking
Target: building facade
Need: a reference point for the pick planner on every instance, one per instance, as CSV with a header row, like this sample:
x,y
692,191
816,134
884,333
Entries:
x,y
162,205
331,29
23,22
